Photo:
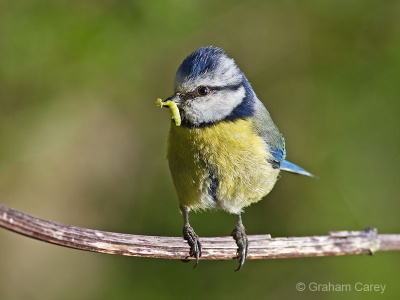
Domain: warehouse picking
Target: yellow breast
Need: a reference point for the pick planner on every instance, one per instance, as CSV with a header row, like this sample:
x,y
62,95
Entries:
x,y
220,166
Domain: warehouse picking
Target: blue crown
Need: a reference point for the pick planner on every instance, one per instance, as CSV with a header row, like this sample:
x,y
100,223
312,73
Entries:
x,y
204,59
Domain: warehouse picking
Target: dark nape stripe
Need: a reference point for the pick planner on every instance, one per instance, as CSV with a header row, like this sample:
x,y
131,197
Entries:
x,y
246,108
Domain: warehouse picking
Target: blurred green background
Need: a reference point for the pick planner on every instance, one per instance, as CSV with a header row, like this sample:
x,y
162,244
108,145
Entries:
x,y
82,143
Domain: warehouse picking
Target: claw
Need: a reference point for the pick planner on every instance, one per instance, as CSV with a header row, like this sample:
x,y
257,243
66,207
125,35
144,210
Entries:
x,y
240,237
193,240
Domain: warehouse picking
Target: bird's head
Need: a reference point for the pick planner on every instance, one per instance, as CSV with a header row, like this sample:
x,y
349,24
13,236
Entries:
x,y
209,87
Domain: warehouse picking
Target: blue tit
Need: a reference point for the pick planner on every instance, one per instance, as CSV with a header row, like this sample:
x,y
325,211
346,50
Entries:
x,y
227,153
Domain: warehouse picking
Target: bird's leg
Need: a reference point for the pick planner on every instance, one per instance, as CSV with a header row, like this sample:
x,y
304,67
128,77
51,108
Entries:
x,y
240,237
190,236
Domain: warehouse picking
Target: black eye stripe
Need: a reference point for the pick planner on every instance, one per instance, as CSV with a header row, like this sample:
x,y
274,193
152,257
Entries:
x,y
195,94
233,87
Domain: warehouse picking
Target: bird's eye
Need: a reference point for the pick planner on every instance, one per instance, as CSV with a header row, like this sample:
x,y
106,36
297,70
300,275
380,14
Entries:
x,y
203,90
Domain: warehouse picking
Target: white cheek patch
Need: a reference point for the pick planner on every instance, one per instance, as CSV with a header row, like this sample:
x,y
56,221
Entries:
x,y
213,108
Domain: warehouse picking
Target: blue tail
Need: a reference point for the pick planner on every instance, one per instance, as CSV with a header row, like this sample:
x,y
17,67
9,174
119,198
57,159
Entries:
x,y
291,167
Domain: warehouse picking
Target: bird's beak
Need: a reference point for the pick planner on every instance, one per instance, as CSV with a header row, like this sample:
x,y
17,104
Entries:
x,y
175,97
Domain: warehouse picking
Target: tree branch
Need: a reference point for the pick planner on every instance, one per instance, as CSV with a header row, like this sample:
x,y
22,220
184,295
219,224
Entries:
x,y
216,248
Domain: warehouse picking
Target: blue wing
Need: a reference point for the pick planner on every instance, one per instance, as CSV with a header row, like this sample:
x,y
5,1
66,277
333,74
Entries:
x,y
278,155
266,128
291,167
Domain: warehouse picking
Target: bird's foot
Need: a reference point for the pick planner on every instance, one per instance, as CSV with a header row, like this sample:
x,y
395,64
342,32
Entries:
x,y
193,240
240,237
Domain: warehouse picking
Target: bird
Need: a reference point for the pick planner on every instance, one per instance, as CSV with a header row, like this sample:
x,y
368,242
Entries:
x,y
226,153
